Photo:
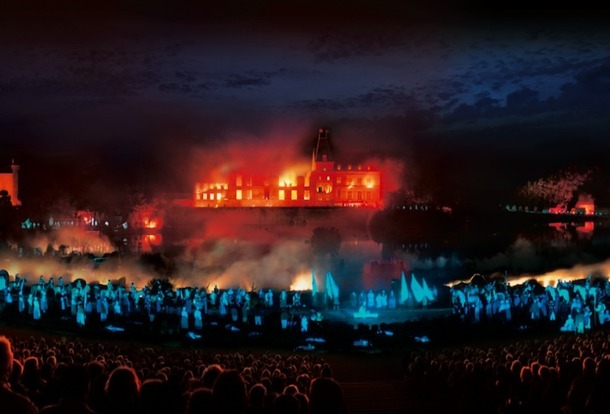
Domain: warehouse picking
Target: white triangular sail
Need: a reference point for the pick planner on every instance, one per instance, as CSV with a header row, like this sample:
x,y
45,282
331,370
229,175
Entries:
x,y
314,283
427,292
331,287
404,290
417,290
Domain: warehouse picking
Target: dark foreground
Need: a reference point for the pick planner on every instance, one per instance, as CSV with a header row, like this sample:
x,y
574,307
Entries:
x,y
418,364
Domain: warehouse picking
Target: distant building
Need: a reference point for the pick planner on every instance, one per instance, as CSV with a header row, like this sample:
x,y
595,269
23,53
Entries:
x,y
327,184
585,205
9,181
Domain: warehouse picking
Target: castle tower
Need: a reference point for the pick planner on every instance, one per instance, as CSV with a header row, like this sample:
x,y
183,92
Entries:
x,y
322,158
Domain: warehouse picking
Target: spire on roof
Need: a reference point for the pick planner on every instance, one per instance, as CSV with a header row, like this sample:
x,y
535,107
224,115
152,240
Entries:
x,y
322,153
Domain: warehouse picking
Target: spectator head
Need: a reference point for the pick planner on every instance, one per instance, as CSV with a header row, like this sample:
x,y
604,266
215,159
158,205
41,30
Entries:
x,y
155,397
6,359
326,396
95,369
257,394
200,401
304,402
210,373
290,389
286,404
588,366
30,365
123,385
526,375
75,382
326,371
16,373
229,392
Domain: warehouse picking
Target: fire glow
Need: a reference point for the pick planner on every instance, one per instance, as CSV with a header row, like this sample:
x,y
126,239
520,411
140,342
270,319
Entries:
x,y
323,183
154,223
302,282
575,273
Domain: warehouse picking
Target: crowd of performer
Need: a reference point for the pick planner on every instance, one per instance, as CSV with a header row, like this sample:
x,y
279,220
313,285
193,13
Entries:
x,y
83,303
576,306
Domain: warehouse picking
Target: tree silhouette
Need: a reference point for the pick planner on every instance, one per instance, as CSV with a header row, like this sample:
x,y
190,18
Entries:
x,y
558,189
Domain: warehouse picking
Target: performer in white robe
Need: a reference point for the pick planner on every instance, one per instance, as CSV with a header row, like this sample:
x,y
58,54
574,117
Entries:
x,y
304,323
184,319
198,319
36,309
80,315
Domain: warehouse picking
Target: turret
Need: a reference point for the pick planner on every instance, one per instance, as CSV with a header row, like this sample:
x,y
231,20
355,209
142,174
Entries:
x,y
322,158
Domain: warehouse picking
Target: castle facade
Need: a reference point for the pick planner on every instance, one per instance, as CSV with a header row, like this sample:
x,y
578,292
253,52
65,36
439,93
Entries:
x,y
327,184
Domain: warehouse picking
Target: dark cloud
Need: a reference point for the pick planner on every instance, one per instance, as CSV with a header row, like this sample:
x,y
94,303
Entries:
x,y
145,86
318,104
238,81
333,44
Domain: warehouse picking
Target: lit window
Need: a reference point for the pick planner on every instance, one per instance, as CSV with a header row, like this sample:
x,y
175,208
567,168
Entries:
x,y
238,194
293,194
306,195
282,195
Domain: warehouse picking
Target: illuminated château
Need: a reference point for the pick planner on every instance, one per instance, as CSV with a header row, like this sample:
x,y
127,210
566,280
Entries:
x,y
327,184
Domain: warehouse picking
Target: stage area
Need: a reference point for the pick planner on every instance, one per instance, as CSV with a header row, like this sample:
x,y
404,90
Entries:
x,y
384,316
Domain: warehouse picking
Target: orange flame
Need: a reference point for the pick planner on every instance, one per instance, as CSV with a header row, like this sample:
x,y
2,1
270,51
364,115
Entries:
x,y
289,177
154,223
301,282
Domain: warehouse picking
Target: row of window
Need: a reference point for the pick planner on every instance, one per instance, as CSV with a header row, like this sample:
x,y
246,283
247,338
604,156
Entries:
x,y
288,195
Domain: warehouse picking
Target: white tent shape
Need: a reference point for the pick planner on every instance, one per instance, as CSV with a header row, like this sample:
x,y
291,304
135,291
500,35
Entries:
x,y
428,294
331,288
417,290
564,293
581,290
404,290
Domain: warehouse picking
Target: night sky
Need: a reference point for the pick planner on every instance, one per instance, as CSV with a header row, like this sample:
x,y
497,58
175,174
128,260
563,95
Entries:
x,y
469,102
